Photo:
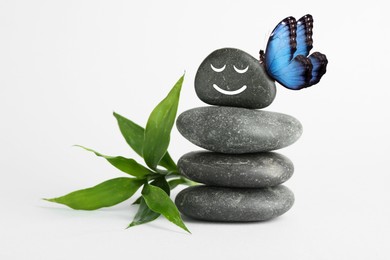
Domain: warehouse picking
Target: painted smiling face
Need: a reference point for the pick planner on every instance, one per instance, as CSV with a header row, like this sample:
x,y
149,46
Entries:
x,y
231,77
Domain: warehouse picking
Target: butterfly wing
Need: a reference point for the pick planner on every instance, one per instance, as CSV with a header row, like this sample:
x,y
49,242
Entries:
x,y
319,62
281,46
297,74
286,54
304,35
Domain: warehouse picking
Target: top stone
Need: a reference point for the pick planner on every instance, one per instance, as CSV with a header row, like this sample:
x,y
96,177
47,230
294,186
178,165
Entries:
x,y
231,77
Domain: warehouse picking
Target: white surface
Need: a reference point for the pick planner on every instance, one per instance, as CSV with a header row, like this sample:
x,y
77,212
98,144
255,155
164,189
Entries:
x,y
66,65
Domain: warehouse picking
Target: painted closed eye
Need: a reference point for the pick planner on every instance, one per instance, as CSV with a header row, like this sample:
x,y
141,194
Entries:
x,y
218,69
241,71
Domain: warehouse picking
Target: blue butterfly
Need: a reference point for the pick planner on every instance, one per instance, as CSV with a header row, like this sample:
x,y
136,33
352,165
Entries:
x,y
286,57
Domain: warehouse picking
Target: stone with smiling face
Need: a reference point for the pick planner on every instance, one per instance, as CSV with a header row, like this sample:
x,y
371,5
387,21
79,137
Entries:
x,y
231,77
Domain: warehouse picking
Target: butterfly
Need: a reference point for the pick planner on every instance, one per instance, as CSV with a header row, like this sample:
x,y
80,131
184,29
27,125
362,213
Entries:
x,y
286,57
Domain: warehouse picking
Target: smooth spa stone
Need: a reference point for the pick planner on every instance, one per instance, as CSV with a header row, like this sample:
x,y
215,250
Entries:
x,y
211,203
256,170
231,77
236,130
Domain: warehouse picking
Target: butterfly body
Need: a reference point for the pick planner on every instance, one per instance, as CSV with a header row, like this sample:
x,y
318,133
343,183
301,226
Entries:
x,y
287,58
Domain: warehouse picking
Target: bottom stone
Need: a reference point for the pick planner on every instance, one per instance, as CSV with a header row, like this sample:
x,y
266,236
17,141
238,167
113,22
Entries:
x,y
212,203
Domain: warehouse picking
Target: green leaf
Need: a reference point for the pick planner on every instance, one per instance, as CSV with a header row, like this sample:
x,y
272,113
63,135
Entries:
x,y
159,126
105,194
168,162
126,165
133,133
137,201
134,136
144,214
174,183
162,183
158,201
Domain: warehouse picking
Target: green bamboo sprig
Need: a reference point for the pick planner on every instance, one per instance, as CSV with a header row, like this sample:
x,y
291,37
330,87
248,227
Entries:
x,y
157,179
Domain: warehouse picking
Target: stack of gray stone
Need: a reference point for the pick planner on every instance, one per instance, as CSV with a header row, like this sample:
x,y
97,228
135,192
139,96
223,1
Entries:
x,y
241,179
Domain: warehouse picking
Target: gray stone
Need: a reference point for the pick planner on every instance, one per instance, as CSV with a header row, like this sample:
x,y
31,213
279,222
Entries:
x,y
234,204
243,81
256,170
238,130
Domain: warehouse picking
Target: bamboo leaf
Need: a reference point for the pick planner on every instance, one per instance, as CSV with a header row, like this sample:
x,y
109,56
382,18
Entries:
x,y
105,194
129,166
144,214
174,183
159,182
134,136
159,126
158,201
162,183
168,163
133,133
137,201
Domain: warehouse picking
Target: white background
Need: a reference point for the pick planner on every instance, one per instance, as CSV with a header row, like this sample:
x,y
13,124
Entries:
x,y
65,66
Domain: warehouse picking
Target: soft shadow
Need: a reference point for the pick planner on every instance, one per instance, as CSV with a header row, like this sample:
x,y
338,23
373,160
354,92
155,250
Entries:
x,y
208,222
182,232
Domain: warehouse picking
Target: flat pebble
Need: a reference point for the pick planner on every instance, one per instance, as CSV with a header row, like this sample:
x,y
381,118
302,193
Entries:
x,y
256,170
238,130
234,204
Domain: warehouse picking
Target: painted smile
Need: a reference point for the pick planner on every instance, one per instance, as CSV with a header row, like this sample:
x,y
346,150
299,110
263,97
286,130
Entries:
x,y
227,92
